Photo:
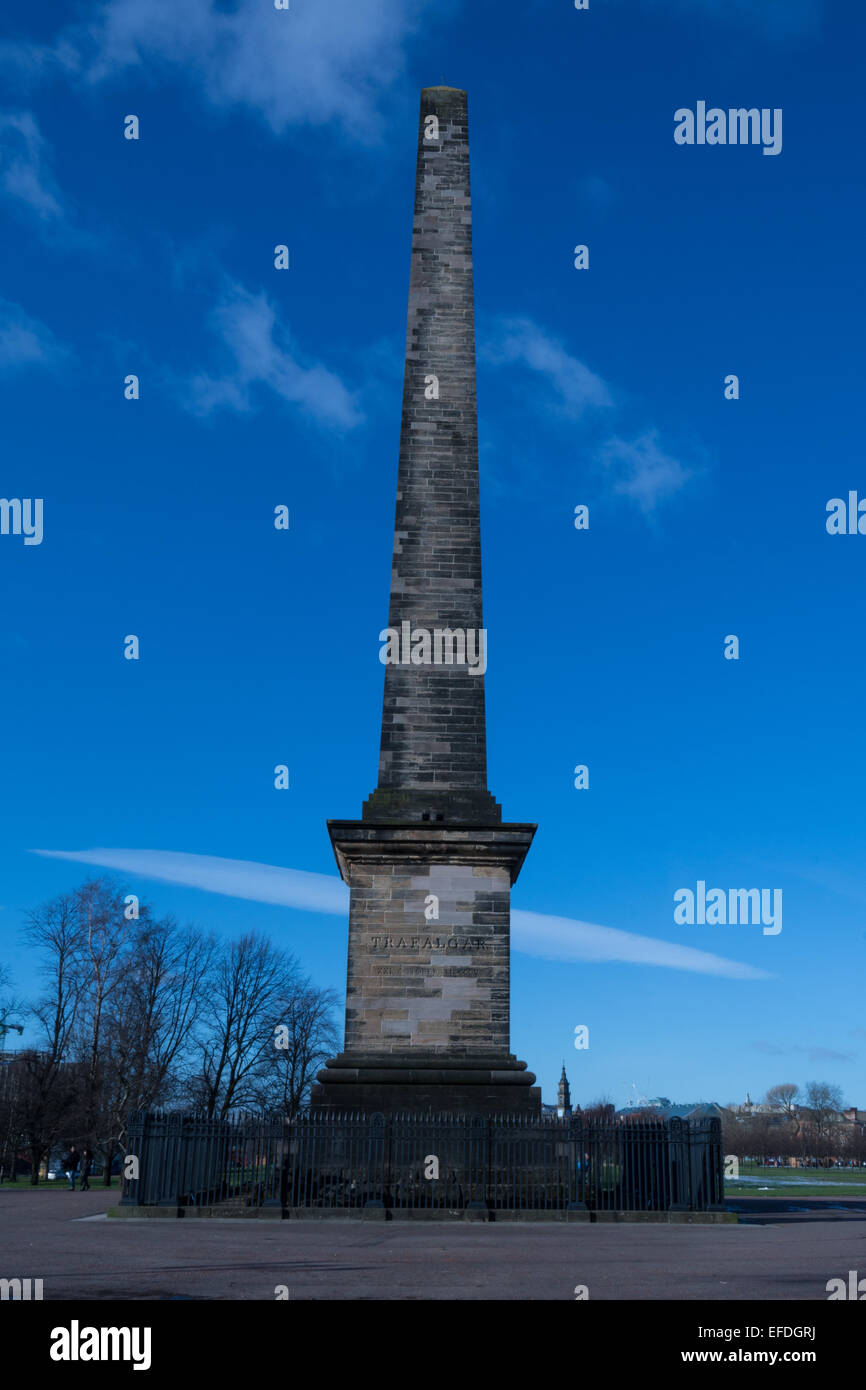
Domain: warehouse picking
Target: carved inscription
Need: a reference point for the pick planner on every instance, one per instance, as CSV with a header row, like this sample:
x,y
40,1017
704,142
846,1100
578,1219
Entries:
x,y
427,943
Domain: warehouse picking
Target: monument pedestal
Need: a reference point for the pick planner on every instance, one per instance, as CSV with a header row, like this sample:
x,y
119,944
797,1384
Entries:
x,y
427,995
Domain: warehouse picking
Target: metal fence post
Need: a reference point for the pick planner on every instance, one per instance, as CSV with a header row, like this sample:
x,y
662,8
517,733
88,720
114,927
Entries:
x,y
576,1200
377,1184
679,1165
478,1138
133,1189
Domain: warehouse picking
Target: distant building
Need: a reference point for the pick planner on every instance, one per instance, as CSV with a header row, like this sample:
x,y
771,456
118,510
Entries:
x,y
750,1108
667,1109
660,1105
562,1108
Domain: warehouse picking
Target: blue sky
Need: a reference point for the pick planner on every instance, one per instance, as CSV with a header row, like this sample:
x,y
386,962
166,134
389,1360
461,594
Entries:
x,y
603,387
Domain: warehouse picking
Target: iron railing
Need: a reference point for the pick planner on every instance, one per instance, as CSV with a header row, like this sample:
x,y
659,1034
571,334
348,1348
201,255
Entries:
x,y
432,1162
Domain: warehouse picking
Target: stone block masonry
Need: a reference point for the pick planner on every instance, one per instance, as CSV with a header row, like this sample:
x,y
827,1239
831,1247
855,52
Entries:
x,y
433,722
449,977
430,864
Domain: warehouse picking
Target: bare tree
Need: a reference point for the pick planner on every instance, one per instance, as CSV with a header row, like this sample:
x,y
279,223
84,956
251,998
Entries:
x,y
106,927
48,1103
303,1037
823,1102
154,1011
161,997
139,1012
600,1111
250,983
760,1137
10,1009
733,1133
50,1085
784,1099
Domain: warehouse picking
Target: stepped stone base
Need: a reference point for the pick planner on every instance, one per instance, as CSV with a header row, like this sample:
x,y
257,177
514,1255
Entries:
x,y
484,1084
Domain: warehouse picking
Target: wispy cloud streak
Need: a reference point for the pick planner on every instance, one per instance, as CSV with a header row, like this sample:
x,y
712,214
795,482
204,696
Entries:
x,y
638,469
25,341
312,64
642,471
24,173
233,878
533,933
262,354
573,387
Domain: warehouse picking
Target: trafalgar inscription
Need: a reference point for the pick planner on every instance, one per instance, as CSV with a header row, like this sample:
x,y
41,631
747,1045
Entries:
x,y
427,943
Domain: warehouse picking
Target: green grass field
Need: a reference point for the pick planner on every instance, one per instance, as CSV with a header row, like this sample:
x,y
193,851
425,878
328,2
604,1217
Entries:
x,y
797,1182
59,1184
753,1182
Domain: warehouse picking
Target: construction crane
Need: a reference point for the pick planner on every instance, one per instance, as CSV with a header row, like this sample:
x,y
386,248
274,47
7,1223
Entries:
x,y
7,1028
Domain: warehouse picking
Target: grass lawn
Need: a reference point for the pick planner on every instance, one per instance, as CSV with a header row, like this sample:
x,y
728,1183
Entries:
x,y
61,1184
797,1182
753,1182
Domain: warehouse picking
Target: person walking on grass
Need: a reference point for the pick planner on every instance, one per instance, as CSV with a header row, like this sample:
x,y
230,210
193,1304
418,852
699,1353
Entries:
x,y
69,1164
86,1166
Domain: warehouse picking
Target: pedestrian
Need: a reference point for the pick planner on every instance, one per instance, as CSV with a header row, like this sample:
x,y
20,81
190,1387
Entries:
x,y
86,1166
69,1164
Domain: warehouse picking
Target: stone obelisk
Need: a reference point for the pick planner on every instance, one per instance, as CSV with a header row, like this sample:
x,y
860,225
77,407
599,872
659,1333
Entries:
x,y
430,864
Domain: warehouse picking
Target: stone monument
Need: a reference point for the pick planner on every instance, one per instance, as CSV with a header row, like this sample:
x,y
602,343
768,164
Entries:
x,y
430,863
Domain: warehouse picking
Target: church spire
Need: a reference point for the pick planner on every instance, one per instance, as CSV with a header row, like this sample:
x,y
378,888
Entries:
x,y
563,1097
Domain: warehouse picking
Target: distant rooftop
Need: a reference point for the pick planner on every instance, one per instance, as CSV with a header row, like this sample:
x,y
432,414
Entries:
x,y
675,1110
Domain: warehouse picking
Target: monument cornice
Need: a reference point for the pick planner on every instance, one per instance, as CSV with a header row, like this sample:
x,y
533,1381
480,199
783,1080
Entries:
x,y
504,844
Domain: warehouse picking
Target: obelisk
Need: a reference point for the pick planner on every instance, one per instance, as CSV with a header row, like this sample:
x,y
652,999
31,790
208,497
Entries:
x,y
430,864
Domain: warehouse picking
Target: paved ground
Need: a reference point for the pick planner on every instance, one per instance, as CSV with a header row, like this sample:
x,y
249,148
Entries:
x,y
775,1253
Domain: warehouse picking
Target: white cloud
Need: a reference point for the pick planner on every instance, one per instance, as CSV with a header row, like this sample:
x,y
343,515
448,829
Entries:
x,y
815,1054
575,388
234,878
263,354
24,341
642,471
638,468
31,62
533,933
24,172
564,938
314,63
